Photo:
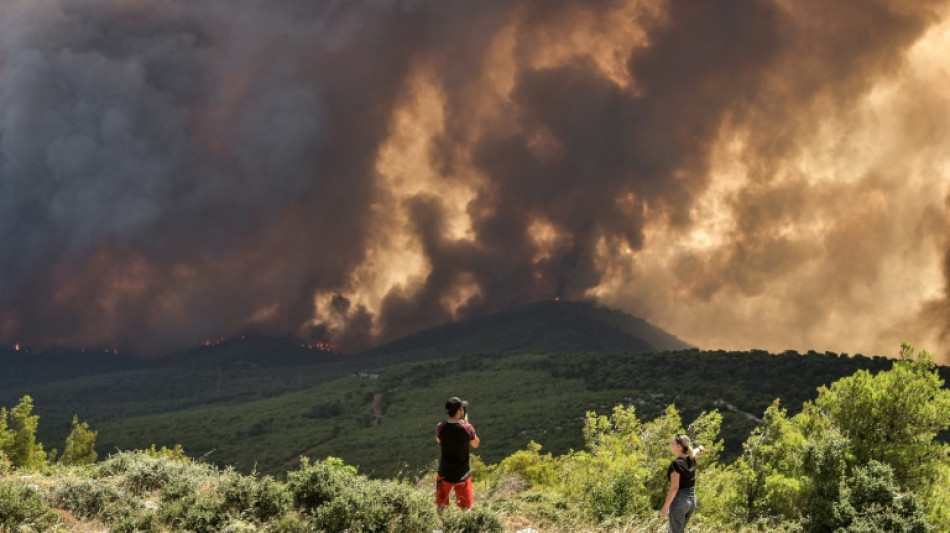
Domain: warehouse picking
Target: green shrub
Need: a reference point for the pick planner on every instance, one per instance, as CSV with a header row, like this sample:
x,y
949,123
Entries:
x,y
530,465
477,520
21,505
186,506
177,453
290,523
371,505
141,472
872,503
614,497
237,525
146,522
195,511
315,484
260,499
179,489
6,466
87,498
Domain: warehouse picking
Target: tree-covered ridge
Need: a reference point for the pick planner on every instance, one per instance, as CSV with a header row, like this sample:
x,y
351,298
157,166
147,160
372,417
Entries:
x,y
862,456
345,417
269,400
543,326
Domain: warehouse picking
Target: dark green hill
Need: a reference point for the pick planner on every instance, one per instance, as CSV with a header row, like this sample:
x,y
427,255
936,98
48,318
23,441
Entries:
x,y
101,386
547,326
382,420
23,367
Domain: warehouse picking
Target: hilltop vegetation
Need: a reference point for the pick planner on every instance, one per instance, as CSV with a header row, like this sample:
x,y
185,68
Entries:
x,y
547,326
235,407
264,402
516,398
862,456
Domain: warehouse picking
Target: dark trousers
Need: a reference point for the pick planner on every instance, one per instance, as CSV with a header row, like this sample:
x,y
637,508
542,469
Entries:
x,y
681,510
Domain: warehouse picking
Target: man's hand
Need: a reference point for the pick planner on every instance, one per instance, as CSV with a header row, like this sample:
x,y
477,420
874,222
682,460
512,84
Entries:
x,y
665,512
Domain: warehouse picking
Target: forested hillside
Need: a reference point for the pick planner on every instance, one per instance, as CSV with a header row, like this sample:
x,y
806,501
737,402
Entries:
x,y
860,456
105,385
515,398
531,373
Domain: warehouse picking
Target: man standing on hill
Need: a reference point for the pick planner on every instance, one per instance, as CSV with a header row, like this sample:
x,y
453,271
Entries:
x,y
455,435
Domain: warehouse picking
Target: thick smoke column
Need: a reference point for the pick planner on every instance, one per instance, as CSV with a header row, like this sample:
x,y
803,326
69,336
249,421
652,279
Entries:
x,y
743,173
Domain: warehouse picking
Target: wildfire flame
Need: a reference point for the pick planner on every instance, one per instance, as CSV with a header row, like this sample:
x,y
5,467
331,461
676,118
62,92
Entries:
x,y
321,346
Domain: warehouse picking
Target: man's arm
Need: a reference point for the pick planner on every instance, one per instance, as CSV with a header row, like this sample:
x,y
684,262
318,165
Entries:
x,y
474,440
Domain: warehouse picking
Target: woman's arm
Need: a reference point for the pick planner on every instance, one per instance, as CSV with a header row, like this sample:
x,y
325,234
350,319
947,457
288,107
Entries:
x,y
674,488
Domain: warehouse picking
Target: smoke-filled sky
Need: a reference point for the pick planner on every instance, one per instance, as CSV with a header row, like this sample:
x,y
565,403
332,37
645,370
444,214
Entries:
x,y
743,173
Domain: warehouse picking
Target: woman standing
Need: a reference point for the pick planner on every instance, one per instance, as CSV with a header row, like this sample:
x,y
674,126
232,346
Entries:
x,y
681,498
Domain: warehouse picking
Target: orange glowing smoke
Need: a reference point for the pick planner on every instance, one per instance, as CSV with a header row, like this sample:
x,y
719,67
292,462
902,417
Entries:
x,y
742,174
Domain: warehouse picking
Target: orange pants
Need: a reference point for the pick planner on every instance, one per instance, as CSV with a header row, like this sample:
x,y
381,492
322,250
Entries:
x,y
463,492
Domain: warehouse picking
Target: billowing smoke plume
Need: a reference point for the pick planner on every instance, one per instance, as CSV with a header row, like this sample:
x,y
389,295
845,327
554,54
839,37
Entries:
x,y
747,173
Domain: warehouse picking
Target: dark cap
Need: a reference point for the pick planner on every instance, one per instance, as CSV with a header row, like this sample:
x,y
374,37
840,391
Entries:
x,y
453,404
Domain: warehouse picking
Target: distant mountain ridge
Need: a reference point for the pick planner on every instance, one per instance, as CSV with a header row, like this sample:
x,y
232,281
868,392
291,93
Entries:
x,y
546,326
554,326
100,385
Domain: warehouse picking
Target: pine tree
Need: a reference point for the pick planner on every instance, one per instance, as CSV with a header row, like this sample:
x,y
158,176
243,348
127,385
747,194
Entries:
x,y
25,452
80,445
6,438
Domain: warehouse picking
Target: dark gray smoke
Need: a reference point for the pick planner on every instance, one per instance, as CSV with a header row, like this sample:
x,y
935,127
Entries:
x,y
178,171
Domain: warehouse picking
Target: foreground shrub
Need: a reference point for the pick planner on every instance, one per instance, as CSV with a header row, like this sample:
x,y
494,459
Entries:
x,y
258,499
193,511
616,496
804,468
290,523
868,501
141,472
146,522
21,506
477,520
239,526
87,498
315,484
370,505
